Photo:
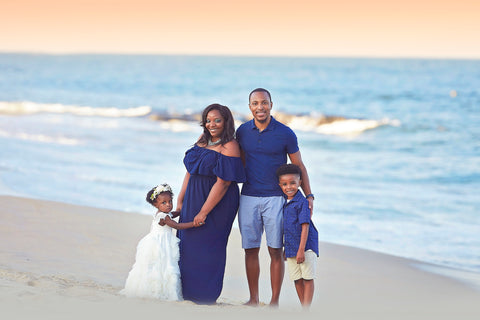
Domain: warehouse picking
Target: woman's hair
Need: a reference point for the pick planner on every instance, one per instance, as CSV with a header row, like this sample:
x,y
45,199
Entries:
x,y
289,169
156,191
228,133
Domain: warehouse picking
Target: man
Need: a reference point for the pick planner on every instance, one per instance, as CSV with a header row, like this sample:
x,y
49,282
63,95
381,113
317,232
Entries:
x,y
265,144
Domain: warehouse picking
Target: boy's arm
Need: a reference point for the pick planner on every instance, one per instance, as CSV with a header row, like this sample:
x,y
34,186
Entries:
x,y
303,242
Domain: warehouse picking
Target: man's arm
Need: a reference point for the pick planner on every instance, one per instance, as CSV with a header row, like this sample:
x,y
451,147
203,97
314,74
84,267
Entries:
x,y
296,158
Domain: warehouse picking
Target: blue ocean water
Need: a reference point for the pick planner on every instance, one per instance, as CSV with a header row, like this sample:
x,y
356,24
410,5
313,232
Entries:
x,y
397,172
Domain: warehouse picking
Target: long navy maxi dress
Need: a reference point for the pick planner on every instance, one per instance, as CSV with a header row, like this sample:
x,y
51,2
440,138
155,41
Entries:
x,y
203,249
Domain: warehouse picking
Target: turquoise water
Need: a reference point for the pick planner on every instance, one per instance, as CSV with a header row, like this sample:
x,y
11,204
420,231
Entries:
x,y
398,173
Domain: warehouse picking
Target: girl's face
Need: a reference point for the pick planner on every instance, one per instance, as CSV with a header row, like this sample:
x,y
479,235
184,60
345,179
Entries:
x,y
214,124
163,202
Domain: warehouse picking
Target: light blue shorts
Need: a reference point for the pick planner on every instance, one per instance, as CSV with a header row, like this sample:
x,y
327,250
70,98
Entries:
x,y
258,213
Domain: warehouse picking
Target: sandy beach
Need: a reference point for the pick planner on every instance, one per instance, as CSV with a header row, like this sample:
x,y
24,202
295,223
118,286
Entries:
x,y
62,261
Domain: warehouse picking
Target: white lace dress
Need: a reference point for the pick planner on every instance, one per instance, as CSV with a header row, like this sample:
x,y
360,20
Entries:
x,y
155,273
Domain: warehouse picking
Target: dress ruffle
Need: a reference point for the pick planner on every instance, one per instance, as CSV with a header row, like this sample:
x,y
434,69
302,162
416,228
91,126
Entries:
x,y
208,162
155,273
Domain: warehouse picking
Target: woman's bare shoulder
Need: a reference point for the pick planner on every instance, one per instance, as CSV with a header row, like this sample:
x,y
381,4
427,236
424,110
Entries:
x,y
231,149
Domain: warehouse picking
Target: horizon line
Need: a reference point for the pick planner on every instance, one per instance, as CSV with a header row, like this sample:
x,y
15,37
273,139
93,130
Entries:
x,y
240,55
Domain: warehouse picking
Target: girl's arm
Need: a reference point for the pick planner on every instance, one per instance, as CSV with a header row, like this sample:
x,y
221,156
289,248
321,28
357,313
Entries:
x,y
303,243
177,225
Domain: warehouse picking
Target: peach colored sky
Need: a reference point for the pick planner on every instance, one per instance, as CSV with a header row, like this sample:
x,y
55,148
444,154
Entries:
x,y
408,28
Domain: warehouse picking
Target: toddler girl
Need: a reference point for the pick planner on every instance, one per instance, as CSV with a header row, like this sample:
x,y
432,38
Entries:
x,y
155,273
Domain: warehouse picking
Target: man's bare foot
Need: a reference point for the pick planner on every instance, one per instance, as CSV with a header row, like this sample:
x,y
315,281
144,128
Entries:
x,y
251,303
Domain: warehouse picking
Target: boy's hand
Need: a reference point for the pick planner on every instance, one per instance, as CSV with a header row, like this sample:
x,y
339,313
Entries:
x,y
162,222
300,256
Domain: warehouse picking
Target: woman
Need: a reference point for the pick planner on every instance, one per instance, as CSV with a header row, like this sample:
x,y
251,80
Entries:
x,y
209,197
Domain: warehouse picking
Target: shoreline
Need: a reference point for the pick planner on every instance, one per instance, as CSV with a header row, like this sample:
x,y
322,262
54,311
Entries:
x,y
60,259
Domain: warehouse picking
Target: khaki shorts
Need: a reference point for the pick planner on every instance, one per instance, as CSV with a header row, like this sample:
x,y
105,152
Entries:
x,y
306,270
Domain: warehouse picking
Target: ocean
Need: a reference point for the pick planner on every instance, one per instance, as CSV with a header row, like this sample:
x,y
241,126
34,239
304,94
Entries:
x,y
392,146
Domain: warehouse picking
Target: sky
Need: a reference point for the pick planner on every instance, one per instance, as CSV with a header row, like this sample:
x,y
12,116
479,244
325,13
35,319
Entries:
x,y
340,28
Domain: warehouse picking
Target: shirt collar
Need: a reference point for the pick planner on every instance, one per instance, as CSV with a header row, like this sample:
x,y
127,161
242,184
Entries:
x,y
271,125
297,197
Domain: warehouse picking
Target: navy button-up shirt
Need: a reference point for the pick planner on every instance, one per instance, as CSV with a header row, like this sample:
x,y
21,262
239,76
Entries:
x,y
296,213
264,152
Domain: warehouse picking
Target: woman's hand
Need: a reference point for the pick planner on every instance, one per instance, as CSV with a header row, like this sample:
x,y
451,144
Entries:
x,y
199,219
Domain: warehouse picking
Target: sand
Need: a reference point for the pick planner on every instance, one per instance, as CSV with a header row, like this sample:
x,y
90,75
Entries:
x,y
62,261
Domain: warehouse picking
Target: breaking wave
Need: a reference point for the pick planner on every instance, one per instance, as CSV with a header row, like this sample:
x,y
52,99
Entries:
x,y
43,138
177,121
25,108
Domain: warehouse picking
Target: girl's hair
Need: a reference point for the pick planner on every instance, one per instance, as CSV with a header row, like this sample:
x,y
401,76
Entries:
x,y
228,133
156,191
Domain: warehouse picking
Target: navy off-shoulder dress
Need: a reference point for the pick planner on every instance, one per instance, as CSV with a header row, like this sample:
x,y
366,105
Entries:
x,y
203,249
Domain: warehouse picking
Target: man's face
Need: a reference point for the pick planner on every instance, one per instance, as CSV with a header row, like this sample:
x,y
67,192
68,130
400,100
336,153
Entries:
x,y
260,106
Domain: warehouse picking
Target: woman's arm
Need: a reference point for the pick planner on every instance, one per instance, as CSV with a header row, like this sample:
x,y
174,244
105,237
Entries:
x,y
220,187
181,195
216,194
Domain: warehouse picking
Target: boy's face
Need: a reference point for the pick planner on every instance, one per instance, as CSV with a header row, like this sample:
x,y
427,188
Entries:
x,y
289,184
163,202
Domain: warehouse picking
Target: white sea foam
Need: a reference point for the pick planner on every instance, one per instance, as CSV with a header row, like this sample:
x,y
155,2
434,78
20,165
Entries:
x,y
175,125
40,138
350,126
26,107
331,125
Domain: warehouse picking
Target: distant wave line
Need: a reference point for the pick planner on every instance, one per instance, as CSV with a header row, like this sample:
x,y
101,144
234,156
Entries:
x,y
176,121
26,107
41,138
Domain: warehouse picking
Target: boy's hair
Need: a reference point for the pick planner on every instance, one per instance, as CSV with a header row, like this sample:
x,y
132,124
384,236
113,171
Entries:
x,y
289,168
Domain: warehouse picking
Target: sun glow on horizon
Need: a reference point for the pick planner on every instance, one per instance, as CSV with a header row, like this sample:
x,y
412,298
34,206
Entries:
x,y
371,28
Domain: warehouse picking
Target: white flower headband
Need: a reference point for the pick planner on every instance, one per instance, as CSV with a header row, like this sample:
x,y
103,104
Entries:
x,y
159,189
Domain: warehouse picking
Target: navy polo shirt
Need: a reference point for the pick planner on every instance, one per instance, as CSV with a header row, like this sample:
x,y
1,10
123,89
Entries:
x,y
295,213
264,152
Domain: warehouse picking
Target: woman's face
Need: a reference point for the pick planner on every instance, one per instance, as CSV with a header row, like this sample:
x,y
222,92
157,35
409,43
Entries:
x,y
215,124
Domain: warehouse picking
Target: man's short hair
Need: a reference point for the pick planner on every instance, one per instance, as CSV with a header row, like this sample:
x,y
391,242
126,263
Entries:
x,y
259,90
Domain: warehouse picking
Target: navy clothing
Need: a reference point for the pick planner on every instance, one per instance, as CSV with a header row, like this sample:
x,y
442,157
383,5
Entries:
x,y
203,249
295,213
264,152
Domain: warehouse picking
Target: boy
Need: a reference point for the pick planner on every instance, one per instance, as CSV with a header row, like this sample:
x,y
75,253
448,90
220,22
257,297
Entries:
x,y
300,235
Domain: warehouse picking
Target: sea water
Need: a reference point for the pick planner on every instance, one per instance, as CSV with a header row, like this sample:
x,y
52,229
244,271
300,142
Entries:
x,y
392,146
